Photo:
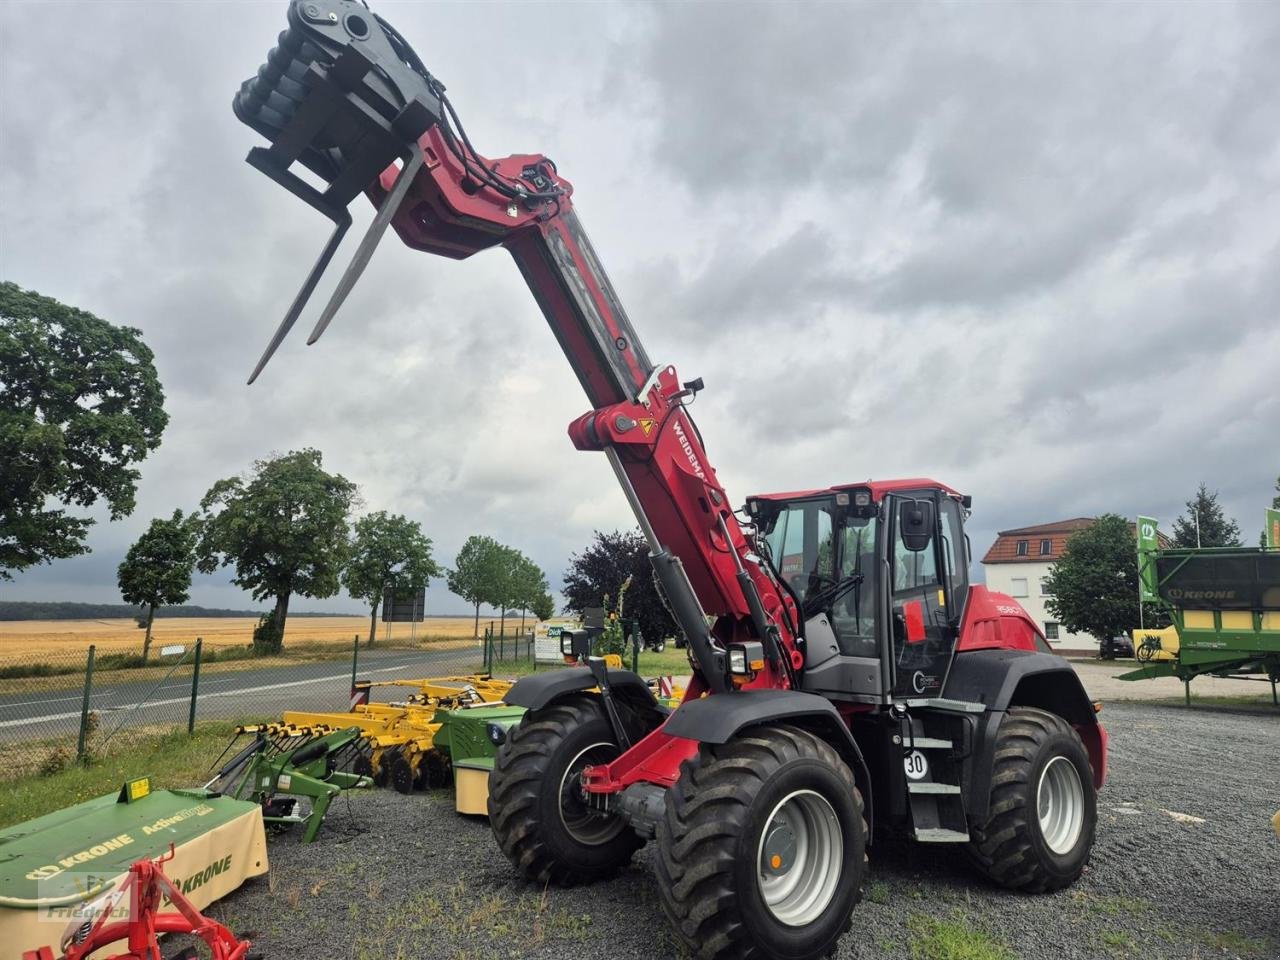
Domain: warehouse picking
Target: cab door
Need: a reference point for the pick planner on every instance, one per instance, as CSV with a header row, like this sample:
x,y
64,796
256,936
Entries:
x,y
921,578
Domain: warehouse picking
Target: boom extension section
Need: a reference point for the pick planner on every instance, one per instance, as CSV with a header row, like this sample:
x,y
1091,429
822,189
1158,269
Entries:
x,y
345,95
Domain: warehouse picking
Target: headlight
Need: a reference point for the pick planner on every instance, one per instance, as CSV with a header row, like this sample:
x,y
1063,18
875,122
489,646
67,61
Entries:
x,y
497,734
746,658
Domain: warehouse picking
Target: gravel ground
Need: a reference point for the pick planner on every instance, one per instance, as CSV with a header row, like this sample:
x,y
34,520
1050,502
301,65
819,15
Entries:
x,y
405,877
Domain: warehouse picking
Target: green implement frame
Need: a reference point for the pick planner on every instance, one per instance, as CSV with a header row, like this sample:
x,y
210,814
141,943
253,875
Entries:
x,y
278,771
1225,604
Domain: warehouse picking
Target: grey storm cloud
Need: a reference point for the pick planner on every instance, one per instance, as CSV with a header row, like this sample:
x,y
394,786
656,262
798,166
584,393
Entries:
x,y
1028,249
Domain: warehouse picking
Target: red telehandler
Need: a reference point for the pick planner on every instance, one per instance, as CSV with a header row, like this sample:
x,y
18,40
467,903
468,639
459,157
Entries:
x,y
846,676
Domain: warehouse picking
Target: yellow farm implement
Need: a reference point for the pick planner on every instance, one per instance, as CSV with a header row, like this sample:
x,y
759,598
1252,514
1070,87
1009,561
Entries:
x,y
399,739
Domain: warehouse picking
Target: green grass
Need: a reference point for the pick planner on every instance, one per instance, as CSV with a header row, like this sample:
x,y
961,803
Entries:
x,y
174,759
952,939
671,661
1117,942
1235,944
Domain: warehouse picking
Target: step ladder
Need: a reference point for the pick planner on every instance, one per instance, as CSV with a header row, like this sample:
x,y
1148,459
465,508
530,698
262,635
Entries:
x,y
933,790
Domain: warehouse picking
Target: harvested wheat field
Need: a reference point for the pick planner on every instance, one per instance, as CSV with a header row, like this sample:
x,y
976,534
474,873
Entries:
x,y
45,637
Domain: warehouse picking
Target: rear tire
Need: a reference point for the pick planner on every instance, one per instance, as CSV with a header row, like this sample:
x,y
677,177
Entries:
x,y
537,816
1040,827
762,852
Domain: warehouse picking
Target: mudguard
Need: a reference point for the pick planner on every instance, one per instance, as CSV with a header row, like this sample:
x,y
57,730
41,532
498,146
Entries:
x,y
717,719
536,691
1017,678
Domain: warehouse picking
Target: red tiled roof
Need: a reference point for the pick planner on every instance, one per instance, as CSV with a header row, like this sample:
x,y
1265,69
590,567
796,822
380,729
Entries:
x,y
1005,549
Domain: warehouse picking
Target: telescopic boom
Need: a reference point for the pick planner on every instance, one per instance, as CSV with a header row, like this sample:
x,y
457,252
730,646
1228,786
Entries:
x,y
345,95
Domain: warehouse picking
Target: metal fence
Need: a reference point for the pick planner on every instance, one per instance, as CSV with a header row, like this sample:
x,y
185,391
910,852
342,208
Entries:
x,y
57,708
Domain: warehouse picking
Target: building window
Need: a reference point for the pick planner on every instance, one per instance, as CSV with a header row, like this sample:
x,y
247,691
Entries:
x,y
1018,586
1050,630
1044,590
1046,547
1022,548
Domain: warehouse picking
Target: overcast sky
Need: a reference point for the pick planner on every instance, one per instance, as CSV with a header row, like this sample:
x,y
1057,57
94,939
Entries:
x,y
1029,250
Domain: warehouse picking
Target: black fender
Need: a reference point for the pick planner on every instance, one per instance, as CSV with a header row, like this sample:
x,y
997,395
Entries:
x,y
718,718
1018,678
537,690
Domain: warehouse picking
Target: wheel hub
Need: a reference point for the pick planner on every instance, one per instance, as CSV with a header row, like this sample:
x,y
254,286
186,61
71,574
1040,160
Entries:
x,y
779,851
585,824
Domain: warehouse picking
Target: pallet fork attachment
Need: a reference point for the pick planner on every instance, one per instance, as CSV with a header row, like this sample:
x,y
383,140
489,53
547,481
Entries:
x,y
347,121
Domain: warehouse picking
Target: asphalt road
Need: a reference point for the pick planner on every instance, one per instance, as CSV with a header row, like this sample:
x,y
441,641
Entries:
x,y
325,685
255,691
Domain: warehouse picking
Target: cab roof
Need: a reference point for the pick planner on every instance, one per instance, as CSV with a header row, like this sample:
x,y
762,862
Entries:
x,y
878,489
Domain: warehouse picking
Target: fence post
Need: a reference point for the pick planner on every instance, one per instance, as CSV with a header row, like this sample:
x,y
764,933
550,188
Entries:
x,y
355,656
84,704
195,686
635,647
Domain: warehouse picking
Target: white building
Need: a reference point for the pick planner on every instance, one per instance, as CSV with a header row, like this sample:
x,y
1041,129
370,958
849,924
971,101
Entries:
x,y
1017,564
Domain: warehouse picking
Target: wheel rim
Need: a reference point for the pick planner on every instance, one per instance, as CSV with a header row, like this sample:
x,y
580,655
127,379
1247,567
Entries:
x,y
587,826
1060,803
800,858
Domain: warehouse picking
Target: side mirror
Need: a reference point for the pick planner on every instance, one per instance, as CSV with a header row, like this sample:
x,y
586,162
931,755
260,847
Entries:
x,y
916,521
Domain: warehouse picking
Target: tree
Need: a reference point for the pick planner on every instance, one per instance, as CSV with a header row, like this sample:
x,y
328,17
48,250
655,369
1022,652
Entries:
x,y
81,402
285,530
1093,588
474,572
157,569
543,607
531,586
507,583
603,567
1205,524
387,551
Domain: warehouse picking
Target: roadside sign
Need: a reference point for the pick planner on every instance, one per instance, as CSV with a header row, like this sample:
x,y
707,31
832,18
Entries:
x,y
1148,544
172,650
1273,528
408,607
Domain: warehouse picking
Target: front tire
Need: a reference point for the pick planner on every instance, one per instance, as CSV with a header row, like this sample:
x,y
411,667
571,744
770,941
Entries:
x,y
1040,827
762,851
537,815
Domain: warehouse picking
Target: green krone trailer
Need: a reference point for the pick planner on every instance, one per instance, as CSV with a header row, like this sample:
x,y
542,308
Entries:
x,y
1225,604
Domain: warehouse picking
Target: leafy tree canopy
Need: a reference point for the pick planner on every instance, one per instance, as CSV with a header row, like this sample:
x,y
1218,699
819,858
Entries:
x,y
80,403
1093,587
387,551
156,571
544,606
476,572
284,529
604,566
1216,528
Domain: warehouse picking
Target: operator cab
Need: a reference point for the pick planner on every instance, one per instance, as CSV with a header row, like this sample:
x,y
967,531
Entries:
x,y
880,573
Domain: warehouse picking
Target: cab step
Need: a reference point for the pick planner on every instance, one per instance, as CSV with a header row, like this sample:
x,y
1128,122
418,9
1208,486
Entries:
x,y
940,835
927,743
945,705
925,786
